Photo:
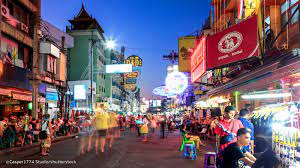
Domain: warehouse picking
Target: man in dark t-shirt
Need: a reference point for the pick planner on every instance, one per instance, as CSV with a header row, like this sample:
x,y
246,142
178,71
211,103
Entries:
x,y
234,155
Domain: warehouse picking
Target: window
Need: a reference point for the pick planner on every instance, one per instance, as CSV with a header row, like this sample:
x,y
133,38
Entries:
x,y
11,8
296,16
4,2
287,9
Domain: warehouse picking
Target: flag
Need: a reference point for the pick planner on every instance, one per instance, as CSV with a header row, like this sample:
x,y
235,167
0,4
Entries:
x,y
240,9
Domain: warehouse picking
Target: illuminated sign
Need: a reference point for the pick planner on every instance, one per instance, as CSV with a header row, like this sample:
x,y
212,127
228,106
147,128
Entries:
x,y
134,60
198,60
132,75
162,91
131,81
176,82
79,92
118,68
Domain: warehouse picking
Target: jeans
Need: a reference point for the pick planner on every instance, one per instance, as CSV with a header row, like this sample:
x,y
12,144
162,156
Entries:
x,y
162,130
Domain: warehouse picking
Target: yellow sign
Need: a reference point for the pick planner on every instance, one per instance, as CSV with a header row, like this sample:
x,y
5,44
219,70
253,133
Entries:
x,y
134,60
250,7
185,48
198,92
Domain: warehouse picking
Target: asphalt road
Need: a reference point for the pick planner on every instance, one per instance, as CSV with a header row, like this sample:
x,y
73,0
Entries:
x,y
127,152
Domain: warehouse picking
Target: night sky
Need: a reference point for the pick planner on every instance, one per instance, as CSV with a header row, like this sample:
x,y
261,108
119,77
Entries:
x,y
147,28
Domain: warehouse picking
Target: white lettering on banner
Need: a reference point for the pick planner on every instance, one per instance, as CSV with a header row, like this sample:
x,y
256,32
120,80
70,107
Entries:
x,y
237,52
223,57
230,42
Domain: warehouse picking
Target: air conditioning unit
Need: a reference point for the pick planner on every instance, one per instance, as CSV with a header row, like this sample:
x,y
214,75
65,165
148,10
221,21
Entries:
x,y
24,28
4,11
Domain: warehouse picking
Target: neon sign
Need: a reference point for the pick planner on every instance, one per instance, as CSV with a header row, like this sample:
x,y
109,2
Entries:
x,y
176,82
198,60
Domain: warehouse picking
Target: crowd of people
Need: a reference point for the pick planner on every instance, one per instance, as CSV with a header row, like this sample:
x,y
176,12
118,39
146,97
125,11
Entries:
x,y
24,130
233,133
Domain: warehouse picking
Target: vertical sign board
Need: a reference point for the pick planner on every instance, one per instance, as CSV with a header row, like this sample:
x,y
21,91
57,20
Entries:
x,y
198,60
132,79
185,46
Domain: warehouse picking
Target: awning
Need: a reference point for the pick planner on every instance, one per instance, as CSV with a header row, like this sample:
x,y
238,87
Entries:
x,y
260,77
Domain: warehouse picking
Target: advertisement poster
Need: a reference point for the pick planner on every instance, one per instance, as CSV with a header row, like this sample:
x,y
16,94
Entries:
x,y
185,49
234,44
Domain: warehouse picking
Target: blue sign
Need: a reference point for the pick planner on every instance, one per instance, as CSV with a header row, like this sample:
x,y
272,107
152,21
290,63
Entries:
x,y
51,96
72,104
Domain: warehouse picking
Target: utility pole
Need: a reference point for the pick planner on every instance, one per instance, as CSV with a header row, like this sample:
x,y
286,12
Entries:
x,y
93,42
35,76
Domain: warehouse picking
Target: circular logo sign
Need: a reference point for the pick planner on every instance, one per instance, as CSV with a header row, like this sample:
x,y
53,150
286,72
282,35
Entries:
x,y
176,82
230,42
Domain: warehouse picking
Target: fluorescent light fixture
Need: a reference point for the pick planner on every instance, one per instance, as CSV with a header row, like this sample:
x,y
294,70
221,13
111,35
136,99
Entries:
x,y
118,68
266,95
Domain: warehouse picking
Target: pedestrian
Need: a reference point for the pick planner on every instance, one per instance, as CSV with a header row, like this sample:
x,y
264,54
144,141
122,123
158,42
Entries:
x,y
101,126
227,128
226,131
153,124
138,124
234,153
132,123
112,127
45,135
85,132
144,128
162,122
244,117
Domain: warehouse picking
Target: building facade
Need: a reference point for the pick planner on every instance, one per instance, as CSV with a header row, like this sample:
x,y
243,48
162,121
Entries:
x,y
89,42
17,49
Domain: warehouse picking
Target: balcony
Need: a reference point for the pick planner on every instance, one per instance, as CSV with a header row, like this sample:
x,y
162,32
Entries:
x,y
29,5
18,35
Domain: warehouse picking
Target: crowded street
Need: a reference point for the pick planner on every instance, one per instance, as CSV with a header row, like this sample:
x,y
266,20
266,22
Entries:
x,y
127,152
150,83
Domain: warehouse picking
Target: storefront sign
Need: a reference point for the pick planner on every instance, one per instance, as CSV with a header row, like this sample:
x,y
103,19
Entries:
x,y
198,60
185,48
5,92
79,92
134,60
131,81
132,75
52,96
234,44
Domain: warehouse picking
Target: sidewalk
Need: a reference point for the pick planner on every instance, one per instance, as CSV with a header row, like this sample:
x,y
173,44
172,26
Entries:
x,y
26,148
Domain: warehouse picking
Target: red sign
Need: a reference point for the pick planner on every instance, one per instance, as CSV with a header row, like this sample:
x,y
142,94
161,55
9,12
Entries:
x,y
234,44
198,60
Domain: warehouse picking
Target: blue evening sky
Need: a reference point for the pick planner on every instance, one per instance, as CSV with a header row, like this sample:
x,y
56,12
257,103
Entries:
x,y
148,28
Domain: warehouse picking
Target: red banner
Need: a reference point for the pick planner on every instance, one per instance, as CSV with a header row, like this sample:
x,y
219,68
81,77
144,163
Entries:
x,y
234,44
198,60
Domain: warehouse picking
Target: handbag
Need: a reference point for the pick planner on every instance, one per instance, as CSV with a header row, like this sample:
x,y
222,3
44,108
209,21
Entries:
x,y
229,137
43,135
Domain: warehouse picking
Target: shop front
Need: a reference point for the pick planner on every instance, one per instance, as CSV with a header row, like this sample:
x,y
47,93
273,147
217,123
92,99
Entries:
x,y
272,93
16,91
52,102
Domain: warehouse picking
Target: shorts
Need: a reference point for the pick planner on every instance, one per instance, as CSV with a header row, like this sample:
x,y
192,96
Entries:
x,y
101,133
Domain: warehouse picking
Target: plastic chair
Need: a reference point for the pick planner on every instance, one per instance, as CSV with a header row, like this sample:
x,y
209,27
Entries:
x,y
188,148
185,141
207,164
